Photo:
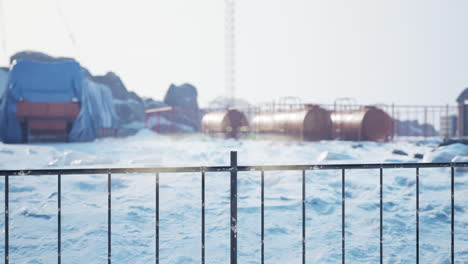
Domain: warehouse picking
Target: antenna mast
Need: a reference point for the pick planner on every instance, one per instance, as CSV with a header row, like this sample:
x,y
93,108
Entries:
x,y
230,50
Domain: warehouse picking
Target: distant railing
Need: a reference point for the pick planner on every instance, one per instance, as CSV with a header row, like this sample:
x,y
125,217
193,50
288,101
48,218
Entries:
x,y
409,121
233,168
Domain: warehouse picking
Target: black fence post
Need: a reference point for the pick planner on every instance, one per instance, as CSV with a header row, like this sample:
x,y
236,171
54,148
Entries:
x,y
203,217
157,216
59,219
6,220
343,210
109,218
303,217
262,197
417,215
381,216
452,222
233,207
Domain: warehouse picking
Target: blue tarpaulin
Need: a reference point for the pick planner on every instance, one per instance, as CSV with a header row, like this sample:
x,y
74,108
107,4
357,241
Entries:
x,y
55,82
97,111
46,82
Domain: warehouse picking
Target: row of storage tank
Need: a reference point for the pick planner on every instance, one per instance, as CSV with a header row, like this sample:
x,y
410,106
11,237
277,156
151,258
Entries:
x,y
311,124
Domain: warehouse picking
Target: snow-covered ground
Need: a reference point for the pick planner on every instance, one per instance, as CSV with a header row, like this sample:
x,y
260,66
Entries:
x,y
33,226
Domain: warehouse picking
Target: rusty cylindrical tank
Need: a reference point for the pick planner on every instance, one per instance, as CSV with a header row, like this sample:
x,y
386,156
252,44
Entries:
x,y
366,124
228,123
312,123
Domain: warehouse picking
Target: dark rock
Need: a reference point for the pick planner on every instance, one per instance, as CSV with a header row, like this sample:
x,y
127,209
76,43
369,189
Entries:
x,y
357,146
399,152
184,99
418,156
149,103
119,91
182,96
128,105
129,111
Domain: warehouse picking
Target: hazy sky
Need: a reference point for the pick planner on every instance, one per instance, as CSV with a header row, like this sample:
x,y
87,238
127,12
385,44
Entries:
x,y
401,51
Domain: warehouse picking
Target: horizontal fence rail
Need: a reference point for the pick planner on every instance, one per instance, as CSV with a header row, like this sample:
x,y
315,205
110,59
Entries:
x,y
229,168
233,169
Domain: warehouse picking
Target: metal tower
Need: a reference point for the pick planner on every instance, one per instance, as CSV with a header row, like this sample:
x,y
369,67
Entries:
x,y
230,50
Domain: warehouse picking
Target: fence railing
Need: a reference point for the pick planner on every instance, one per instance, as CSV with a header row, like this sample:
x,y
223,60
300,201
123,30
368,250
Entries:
x,y
409,121
233,168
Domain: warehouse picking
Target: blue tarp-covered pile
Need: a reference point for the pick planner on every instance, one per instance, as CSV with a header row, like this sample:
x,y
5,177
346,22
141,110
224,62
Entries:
x,y
56,82
97,111
3,80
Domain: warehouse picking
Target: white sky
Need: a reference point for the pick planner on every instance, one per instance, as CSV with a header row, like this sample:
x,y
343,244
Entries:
x,y
401,51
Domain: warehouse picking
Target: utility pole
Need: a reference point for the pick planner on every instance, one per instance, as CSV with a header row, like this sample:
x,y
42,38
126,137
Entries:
x,y
230,50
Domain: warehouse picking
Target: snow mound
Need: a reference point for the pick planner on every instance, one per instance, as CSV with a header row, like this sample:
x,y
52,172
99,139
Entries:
x,y
331,156
72,158
145,133
446,153
460,159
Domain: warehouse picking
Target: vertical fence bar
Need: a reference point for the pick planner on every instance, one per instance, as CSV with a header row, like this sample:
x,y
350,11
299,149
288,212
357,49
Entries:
x,y
109,210
417,215
303,218
343,252
452,248
7,257
203,217
157,217
59,219
233,207
263,216
381,216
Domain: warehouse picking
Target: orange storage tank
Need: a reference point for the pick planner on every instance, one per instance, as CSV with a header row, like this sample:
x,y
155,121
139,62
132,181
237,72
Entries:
x,y
229,123
366,124
311,123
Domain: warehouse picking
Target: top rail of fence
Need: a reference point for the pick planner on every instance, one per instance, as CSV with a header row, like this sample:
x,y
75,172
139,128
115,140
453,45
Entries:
x,y
80,171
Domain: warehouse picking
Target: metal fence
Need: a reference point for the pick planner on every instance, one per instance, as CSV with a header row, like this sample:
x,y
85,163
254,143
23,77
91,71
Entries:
x,y
409,121
233,168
